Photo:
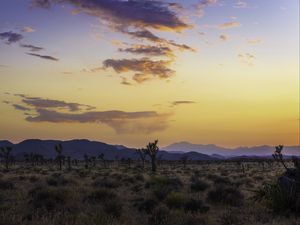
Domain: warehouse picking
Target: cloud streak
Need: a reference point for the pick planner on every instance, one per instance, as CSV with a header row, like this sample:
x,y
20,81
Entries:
x,y
32,48
48,57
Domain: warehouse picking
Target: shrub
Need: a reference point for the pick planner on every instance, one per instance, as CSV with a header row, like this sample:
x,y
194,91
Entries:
x,y
113,207
175,200
198,185
229,195
57,180
194,205
106,182
101,195
159,216
6,185
277,199
162,186
48,199
229,217
147,205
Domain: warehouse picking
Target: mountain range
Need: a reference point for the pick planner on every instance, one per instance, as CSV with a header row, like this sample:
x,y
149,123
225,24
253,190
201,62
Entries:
x,y
263,150
78,147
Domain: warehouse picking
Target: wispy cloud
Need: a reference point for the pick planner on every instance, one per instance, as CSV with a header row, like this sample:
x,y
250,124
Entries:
x,y
254,41
148,50
32,48
229,25
48,57
182,102
11,37
28,29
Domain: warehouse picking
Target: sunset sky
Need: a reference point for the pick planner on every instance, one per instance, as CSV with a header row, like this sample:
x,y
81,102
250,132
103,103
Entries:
x,y
222,72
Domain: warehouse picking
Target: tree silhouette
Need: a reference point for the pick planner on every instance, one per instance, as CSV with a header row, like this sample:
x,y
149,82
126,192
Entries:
x,y
59,157
142,153
152,150
5,154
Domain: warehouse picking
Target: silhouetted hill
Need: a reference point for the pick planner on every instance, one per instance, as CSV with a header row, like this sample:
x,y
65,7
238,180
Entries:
x,y
214,150
77,149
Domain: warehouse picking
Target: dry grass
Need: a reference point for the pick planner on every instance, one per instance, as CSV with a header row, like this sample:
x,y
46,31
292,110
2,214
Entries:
x,y
212,194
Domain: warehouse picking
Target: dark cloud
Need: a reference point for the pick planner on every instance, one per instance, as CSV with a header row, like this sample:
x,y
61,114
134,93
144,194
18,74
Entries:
x,y
175,103
122,122
146,13
11,37
38,109
38,102
143,67
144,34
20,107
44,56
224,37
149,50
32,48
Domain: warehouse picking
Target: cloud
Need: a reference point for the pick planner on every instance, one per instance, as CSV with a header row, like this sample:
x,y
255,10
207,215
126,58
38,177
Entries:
x,y
175,103
143,67
202,5
124,81
240,4
224,37
122,122
32,48
149,50
38,109
229,25
11,37
147,13
247,58
144,34
254,41
44,56
28,29
38,102
20,107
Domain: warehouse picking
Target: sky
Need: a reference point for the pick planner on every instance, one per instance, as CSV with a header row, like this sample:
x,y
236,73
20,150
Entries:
x,y
222,72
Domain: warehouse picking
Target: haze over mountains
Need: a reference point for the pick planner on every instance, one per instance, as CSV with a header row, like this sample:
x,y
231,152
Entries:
x,y
77,149
211,149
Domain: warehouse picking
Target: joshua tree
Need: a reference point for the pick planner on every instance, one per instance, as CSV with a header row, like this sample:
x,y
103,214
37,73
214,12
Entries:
x,y
5,154
184,160
69,162
101,157
142,153
86,159
152,150
59,157
278,155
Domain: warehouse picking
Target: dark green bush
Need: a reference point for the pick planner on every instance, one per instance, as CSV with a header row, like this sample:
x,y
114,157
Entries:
x,y
194,205
175,200
225,194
